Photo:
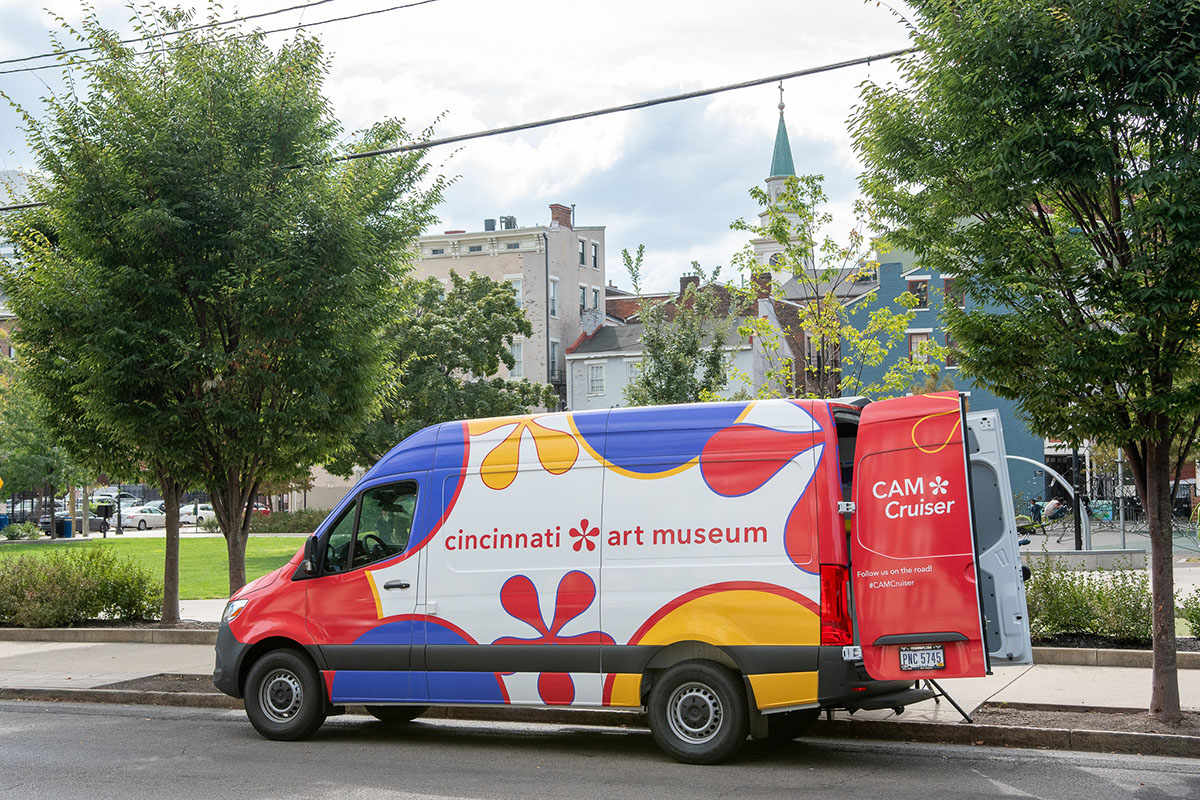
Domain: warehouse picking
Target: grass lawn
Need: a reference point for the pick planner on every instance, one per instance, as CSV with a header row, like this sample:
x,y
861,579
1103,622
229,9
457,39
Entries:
x,y
203,564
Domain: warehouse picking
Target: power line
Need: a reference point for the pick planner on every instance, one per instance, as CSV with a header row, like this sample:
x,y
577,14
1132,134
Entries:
x,y
170,33
253,33
675,98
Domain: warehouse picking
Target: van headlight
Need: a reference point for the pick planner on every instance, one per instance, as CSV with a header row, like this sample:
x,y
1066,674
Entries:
x,y
232,609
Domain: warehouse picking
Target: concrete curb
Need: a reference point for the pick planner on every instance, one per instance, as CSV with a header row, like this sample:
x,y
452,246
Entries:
x,y
885,730
206,636
1099,657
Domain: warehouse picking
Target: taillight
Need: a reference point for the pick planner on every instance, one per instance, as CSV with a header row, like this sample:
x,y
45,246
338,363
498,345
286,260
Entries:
x,y
835,606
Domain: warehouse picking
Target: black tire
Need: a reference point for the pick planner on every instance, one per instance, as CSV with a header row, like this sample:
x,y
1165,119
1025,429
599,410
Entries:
x,y
284,696
791,724
698,713
396,715
141,524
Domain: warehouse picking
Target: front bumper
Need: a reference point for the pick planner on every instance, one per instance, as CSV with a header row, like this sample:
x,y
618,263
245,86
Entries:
x,y
230,654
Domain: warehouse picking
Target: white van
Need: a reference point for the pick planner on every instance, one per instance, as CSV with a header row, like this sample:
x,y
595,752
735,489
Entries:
x,y
733,568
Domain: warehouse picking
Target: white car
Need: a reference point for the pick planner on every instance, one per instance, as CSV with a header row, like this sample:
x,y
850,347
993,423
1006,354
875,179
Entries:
x,y
195,513
143,517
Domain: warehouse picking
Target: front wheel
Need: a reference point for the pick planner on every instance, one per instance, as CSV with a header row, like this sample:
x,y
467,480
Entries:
x,y
283,695
396,715
698,713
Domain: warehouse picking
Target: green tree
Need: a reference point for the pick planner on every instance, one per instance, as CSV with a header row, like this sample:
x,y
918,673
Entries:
x,y
1046,154
228,250
30,457
838,343
684,356
444,342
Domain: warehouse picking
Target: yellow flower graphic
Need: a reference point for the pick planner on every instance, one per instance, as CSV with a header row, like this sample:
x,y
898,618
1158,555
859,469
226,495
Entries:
x,y
556,451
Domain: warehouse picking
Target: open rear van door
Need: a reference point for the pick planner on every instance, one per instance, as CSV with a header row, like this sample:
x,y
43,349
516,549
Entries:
x,y
916,554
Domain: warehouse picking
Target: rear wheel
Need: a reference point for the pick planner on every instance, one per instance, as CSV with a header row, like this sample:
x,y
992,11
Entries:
x,y
396,715
698,713
283,695
141,524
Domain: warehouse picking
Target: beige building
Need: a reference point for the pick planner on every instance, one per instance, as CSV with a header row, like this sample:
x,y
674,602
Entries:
x,y
557,271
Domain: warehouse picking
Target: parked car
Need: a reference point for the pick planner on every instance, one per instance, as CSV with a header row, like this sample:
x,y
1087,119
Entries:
x,y
195,513
161,505
143,517
259,508
95,524
127,499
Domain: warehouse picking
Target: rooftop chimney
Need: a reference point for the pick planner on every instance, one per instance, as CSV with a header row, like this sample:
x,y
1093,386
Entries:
x,y
685,280
763,281
560,214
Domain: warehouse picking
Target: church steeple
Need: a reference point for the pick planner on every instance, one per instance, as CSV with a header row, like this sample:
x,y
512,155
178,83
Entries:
x,y
781,159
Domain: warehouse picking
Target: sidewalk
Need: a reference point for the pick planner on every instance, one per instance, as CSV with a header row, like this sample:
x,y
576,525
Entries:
x,y
87,671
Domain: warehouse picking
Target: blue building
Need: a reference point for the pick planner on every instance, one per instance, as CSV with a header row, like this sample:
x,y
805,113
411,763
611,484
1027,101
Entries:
x,y
899,272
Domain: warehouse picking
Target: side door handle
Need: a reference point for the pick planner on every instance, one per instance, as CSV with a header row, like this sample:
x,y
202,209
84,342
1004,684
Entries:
x,y
397,585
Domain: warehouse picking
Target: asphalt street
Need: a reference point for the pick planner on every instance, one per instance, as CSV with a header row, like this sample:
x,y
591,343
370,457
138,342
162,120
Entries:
x,y
52,750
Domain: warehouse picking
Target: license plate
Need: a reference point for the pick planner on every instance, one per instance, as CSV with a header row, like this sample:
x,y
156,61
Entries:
x,y
923,656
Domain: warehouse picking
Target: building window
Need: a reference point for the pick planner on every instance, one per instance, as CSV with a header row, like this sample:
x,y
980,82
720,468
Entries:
x,y
582,247
518,367
555,375
920,288
953,293
512,246
595,379
951,361
438,251
595,298
595,256
475,248
632,368
582,297
515,283
554,297
915,341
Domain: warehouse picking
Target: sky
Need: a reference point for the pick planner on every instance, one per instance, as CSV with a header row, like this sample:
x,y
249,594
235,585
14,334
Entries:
x,y
672,178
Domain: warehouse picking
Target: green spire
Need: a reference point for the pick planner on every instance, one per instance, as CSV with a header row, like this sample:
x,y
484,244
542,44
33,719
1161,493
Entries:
x,y
781,160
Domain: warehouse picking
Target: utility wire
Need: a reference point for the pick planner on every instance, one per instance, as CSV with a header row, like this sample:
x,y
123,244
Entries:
x,y
675,98
170,33
253,33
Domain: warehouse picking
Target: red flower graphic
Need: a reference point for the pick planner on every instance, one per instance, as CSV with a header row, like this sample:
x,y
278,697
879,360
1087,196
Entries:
x,y
576,593
583,536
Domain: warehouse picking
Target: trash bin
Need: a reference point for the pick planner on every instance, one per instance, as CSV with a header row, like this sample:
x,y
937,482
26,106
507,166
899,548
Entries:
x,y
3,521
62,528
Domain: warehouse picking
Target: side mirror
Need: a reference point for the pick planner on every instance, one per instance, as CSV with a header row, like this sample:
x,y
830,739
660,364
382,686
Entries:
x,y
308,562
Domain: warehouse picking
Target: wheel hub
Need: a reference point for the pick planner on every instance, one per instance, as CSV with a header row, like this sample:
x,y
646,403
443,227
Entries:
x,y
694,712
282,695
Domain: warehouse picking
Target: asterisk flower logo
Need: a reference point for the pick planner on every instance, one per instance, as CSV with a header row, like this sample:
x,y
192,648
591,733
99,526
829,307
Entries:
x,y
556,451
583,536
938,485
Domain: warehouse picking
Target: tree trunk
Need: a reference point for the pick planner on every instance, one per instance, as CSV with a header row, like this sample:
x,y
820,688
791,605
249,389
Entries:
x,y
172,493
1164,692
231,504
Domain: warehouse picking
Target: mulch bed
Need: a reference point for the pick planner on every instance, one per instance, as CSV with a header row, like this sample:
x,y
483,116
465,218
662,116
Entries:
x,y
1128,722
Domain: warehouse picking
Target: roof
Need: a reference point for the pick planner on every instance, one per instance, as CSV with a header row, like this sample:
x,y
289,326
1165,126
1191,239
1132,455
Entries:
x,y
781,159
612,339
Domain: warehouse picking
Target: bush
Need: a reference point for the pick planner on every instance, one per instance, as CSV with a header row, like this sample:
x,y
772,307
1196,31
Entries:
x,y
72,584
21,530
302,521
1111,603
1188,607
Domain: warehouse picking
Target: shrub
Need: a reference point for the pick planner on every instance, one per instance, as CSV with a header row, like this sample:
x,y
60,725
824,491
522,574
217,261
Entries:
x,y
1188,607
1111,603
73,584
21,530
302,521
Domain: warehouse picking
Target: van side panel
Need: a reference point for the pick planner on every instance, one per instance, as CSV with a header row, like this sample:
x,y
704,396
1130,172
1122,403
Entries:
x,y
710,524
